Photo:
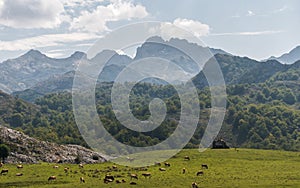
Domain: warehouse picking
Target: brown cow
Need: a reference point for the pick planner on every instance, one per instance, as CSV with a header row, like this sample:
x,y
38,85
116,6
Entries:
x,y
130,159
114,167
107,181
19,166
194,185
4,171
204,166
66,169
51,178
147,174
134,176
118,181
82,180
109,178
200,173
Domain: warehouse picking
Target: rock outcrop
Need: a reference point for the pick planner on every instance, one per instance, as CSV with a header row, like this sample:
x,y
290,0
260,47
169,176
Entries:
x,y
26,149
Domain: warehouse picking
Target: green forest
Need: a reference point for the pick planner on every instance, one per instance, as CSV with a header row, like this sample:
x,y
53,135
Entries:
x,y
259,115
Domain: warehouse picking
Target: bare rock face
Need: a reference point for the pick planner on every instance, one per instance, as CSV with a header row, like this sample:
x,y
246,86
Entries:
x,y
26,149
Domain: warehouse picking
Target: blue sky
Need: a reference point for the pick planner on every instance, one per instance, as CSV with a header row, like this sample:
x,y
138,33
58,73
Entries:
x,y
257,29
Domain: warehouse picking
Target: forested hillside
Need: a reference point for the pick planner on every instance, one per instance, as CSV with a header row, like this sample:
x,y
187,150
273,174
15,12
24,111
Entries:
x,y
263,102
264,115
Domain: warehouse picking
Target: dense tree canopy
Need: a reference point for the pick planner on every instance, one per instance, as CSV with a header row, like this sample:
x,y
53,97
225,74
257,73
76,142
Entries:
x,y
264,115
4,152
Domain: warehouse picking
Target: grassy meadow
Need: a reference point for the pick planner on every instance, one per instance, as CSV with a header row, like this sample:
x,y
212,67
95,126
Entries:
x,y
227,168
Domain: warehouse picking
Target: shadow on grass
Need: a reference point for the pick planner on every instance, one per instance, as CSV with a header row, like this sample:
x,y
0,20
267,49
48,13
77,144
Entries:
x,y
31,183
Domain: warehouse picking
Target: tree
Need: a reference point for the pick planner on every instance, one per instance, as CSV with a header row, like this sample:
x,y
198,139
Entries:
x,y
4,152
16,120
289,98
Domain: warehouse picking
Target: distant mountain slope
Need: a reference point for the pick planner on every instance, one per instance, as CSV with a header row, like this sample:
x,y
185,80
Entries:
x,y
12,108
55,75
239,70
56,83
236,70
27,70
291,73
30,150
38,122
173,50
290,57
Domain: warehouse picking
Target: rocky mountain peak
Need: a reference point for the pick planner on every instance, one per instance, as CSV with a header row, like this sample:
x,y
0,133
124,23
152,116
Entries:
x,y
34,53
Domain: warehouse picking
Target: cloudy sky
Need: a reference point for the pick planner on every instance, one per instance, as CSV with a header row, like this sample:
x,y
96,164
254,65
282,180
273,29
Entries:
x,y
256,28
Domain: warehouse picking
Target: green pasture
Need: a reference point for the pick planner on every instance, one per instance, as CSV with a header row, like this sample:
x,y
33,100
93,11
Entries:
x,y
227,168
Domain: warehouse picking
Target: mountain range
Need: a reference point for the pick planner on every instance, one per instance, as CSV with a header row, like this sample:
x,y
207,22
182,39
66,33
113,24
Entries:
x,y
34,74
263,99
290,57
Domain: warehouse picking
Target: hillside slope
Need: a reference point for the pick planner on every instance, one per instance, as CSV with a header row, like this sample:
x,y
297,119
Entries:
x,y
26,149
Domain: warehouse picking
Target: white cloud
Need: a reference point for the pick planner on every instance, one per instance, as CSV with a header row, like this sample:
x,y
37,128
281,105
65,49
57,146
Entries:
x,y
180,28
250,13
31,13
197,28
250,33
81,15
82,3
55,55
96,20
45,41
282,9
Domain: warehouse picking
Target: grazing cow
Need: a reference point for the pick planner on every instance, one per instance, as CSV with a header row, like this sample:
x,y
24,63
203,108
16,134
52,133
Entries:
x,y
157,164
204,166
147,174
186,158
194,185
82,180
51,178
19,166
114,167
80,165
66,169
107,181
1,164
4,171
200,173
133,183
130,159
183,171
134,176
162,169
19,174
118,181
123,181
109,178
167,164
55,166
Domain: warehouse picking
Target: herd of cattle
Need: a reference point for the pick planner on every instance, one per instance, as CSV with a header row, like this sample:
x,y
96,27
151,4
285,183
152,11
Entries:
x,y
108,178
